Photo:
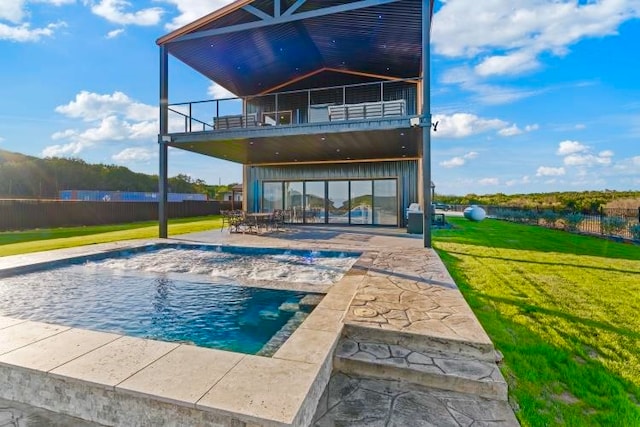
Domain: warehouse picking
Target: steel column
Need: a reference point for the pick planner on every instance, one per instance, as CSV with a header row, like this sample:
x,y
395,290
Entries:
x,y
426,122
162,142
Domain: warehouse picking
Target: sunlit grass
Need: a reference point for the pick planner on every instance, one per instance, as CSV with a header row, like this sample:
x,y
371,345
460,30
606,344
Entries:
x,y
14,243
564,309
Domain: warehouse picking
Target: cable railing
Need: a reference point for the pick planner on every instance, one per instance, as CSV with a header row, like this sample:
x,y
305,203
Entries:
x,y
363,101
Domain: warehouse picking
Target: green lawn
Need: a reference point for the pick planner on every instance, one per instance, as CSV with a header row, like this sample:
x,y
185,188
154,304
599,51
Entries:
x,y
564,310
20,242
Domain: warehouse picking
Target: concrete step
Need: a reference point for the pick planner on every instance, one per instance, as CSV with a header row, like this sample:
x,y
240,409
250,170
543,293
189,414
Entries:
x,y
421,343
444,371
350,400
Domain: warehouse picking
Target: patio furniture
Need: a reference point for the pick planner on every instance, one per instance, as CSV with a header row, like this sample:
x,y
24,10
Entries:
x,y
367,110
235,121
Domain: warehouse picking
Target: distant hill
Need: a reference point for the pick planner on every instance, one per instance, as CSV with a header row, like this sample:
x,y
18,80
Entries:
x,y
28,176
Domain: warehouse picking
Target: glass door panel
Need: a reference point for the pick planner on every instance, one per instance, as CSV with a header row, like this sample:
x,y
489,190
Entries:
x,y
338,202
361,200
385,202
271,196
293,192
314,202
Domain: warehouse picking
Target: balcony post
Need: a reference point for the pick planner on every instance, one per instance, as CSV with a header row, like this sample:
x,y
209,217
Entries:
x,y
162,142
426,123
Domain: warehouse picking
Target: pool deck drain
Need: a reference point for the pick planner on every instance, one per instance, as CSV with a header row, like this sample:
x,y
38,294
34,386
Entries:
x,y
409,350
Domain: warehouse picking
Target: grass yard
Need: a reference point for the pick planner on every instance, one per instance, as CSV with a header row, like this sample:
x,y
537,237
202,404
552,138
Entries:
x,y
20,242
564,309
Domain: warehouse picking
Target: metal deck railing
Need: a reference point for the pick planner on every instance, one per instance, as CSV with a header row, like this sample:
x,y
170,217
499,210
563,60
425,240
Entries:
x,y
363,101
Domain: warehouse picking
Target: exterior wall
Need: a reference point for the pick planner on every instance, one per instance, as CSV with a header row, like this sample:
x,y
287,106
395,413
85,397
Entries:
x,y
406,171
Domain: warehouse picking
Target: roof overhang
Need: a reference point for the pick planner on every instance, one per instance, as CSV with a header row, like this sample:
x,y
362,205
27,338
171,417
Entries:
x,y
253,46
314,145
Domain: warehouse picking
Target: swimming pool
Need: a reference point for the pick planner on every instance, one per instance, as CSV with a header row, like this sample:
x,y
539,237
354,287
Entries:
x,y
177,293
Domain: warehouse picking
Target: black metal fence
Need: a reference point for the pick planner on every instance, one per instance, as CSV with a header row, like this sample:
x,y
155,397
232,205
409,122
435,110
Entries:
x,y
30,214
612,222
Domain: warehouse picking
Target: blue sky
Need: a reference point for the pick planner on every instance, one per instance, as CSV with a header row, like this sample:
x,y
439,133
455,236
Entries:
x,y
530,95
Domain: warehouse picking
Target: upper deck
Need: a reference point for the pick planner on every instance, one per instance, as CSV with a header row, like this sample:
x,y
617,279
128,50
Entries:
x,y
315,124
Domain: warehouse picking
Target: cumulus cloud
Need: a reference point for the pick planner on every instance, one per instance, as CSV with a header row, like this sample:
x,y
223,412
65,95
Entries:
x,y
550,171
90,106
116,11
577,154
218,92
19,29
458,160
115,33
190,10
134,154
509,35
570,147
460,125
588,159
106,117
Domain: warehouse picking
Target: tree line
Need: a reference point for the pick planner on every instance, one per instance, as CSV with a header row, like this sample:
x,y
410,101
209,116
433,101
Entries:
x,y
24,176
578,201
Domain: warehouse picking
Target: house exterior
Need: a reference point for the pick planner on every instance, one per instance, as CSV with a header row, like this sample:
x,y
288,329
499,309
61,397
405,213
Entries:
x,y
331,116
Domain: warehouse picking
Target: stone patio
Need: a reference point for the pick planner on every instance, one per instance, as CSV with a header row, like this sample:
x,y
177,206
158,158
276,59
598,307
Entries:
x,y
410,350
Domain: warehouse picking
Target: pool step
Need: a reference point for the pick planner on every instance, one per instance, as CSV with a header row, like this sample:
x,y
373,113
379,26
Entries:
x,y
421,343
445,371
283,334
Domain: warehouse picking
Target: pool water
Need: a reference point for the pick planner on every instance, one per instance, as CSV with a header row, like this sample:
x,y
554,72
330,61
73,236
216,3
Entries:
x,y
127,295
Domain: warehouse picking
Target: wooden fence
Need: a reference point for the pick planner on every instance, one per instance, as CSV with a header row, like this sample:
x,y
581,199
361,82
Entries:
x,y
30,214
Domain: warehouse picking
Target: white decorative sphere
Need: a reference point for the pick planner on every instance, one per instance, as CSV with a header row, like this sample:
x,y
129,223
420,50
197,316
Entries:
x,y
474,213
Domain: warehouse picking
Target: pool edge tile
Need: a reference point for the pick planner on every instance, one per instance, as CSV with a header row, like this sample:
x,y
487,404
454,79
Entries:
x,y
141,383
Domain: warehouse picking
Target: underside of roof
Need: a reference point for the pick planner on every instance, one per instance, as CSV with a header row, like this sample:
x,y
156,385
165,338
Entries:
x,y
253,47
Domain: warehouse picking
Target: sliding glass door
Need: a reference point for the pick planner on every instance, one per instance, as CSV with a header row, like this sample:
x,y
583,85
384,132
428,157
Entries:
x,y
365,202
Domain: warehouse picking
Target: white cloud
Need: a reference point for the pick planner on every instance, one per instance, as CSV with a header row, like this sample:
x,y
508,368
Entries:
x,y
513,63
510,131
114,33
512,34
134,154
64,150
2,139
531,128
116,11
190,10
459,160
15,12
549,171
489,181
571,147
218,92
107,117
460,125
586,160
578,154
580,126
92,106
24,32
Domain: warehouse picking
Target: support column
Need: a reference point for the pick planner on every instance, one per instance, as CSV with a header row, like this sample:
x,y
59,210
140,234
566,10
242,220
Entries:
x,y
163,139
426,122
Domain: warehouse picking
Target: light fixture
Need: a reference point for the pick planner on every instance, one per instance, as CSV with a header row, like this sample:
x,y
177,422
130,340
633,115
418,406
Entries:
x,y
337,150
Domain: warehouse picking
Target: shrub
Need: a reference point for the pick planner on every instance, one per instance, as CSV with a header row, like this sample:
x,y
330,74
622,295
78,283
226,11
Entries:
x,y
572,221
613,225
550,218
635,231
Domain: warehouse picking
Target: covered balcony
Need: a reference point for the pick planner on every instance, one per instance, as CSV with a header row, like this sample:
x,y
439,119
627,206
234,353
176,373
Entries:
x,y
370,120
